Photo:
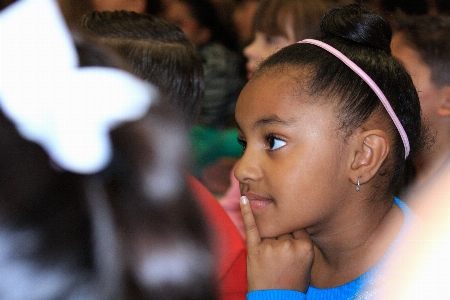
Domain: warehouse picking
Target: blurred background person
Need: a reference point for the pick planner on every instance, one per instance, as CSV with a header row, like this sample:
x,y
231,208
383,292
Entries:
x,y
222,65
160,53
279,23
92,205
200,22
243,15
421,43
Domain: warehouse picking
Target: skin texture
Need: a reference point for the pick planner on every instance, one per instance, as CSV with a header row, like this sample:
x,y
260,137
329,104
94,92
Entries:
x,y
435,105
305,222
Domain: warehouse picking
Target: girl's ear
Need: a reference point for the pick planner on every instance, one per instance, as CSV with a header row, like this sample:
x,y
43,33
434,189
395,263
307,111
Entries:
x,y
444,106
372,148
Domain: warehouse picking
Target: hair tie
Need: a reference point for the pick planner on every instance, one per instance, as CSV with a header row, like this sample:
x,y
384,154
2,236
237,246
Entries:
x,y
370,82
67,110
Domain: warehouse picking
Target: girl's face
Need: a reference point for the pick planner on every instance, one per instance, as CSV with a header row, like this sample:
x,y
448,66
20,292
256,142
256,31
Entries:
x,y
264,45
293,166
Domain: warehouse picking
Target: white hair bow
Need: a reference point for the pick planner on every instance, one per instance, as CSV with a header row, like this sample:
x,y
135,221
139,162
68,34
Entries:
x,y
67,110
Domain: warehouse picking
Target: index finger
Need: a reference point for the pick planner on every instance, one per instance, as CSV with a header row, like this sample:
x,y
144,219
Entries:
x,y
301,234
251,230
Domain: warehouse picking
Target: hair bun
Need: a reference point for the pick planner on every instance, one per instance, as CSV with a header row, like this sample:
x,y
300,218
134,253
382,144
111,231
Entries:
x,y
358,23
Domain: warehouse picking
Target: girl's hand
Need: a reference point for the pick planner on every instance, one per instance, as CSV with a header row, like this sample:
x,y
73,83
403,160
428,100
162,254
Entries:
x,y
276,263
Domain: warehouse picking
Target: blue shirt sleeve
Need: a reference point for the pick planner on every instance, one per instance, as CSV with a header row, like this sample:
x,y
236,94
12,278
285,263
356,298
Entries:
x,y
276,294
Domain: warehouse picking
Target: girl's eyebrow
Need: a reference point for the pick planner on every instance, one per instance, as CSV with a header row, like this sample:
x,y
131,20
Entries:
x,y
270,120
273,120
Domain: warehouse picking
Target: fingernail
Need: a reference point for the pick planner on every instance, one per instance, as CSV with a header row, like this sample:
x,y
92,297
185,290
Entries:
x,y
244,200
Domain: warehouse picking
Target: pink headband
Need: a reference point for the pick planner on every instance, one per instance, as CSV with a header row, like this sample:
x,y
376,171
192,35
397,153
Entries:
x,y
370,82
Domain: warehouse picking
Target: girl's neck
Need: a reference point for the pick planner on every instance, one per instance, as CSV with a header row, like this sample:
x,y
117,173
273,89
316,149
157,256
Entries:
x,y
345,255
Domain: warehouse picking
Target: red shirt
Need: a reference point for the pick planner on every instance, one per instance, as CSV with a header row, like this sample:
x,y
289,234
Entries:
x,y
228,244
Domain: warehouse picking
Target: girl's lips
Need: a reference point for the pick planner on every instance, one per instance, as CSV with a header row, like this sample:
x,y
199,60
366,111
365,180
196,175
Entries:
x,y
258,203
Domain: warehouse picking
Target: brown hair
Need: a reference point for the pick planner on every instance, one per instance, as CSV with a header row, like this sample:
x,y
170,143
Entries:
x,y
272,15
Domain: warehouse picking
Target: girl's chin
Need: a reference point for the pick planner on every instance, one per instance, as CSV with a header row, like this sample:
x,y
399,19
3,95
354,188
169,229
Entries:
x,y
270,234
272,230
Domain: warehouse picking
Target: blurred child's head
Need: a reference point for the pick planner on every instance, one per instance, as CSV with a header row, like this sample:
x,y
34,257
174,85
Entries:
x,y
279,23
421,43
200,21
158,51
243,15
427,36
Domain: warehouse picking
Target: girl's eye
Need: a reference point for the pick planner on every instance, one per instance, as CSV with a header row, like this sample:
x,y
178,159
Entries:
x,y
271,40
275,143
276,40
242,142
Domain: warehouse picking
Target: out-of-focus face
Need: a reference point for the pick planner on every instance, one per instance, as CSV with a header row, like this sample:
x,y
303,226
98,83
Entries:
x,y
138,6
430,95
243,19
293,167
180,14
263,45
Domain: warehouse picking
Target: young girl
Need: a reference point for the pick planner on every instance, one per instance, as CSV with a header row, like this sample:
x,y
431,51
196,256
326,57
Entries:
x,y
325,145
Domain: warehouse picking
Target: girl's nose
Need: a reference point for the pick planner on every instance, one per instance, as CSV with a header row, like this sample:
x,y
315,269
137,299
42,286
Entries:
x,y
247,168
250,52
